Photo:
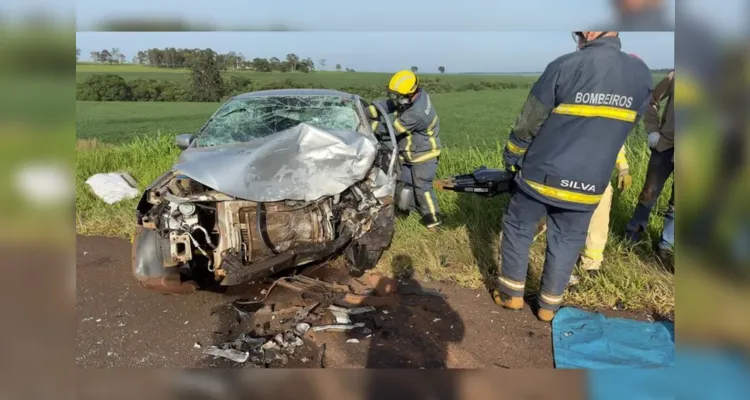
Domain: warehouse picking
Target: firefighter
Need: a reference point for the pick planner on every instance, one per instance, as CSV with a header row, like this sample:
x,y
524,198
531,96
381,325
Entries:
x,y
417,128
562,150
593,253
660,166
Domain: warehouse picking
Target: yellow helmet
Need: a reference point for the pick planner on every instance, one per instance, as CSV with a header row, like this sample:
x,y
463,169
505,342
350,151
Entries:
x,y
403,83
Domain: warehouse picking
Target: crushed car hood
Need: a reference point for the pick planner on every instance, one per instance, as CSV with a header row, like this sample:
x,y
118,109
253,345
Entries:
x,y
302,163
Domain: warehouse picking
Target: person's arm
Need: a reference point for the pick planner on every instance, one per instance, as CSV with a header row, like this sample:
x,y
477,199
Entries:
x,y
651,117
537,108
388,104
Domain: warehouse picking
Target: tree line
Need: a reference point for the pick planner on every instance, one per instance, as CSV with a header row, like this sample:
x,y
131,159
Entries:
x,y
182,58
207,85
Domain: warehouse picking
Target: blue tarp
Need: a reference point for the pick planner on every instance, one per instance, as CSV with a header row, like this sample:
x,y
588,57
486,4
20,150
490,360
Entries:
x,y
588,340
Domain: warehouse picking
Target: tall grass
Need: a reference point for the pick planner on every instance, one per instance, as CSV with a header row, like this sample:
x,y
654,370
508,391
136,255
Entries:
x,y
464,251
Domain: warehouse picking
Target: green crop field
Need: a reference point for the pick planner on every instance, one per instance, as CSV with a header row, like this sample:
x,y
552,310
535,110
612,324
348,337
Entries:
x,y
138,137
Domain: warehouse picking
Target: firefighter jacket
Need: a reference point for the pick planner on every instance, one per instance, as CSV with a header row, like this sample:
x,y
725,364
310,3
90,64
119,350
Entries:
x,y
417,128
574,123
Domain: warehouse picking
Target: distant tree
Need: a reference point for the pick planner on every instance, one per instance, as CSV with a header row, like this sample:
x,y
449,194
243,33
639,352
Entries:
x,y
261,65
414,69
105,56
115,55
441,69
141,57
322,63
293,60
103,87
205,77
285,66
307,65
78,53
338,67
275,63
122,58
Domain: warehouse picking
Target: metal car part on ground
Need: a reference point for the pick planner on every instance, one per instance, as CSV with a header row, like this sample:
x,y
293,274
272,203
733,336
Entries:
x,y
273,181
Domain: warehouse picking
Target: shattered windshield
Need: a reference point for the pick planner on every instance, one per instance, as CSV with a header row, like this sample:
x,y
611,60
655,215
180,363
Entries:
x,y
244,120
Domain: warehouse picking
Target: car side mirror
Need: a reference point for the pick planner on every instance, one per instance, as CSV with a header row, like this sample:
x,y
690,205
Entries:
x,y
184,140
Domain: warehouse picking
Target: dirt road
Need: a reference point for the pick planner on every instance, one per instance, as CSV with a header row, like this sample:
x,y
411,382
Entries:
x,y
122,325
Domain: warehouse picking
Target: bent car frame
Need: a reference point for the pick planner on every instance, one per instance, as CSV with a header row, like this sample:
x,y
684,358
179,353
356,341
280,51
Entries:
x,y
273,180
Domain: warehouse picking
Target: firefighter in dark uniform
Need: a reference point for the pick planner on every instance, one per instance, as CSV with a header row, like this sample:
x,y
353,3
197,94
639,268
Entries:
x,y
417,128
562,150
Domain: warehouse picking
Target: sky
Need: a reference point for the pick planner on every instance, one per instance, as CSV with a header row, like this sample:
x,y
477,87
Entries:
x,y
388,51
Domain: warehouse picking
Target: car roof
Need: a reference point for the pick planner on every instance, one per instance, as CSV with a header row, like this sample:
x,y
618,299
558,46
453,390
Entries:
x,y
294,92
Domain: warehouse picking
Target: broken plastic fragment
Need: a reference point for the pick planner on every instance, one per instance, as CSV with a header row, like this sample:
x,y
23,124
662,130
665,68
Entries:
x,y
231,354
301,328
339,328
341,317
352,341
353,311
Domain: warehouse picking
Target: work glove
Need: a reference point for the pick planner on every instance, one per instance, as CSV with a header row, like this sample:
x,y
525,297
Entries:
x,y
624,180
653,139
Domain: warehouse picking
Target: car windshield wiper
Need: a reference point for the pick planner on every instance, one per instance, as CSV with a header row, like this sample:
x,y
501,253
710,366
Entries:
x,y
232,112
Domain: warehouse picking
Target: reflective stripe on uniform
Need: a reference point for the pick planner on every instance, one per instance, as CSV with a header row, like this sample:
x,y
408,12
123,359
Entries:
x,y
514,149
432,153
374,125
564,195
584,110
511,284
373,111
430,204
550,299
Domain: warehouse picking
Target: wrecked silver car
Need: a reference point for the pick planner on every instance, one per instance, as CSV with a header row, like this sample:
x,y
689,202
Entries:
x,y
274,180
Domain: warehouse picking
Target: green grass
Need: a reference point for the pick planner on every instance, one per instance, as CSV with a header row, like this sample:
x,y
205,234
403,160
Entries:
x,y
138,138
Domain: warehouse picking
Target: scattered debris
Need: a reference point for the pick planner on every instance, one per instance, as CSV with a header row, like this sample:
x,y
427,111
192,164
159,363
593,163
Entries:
x,y
231,354
304,313
341,316
436,320
317,288
305,360
352,341
574,279
301,328
338,327
322,356
356,310
113,187
197,345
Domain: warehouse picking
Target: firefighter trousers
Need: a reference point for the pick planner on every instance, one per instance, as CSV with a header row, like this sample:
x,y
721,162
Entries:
x,y
598,233
566,235
660,167
420,177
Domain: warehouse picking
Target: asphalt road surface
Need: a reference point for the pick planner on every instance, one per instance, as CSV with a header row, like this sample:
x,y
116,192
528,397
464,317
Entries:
x,y
121,324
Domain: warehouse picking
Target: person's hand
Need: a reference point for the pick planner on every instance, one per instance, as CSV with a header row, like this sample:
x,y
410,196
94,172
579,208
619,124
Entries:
x,y
653,139
624,180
